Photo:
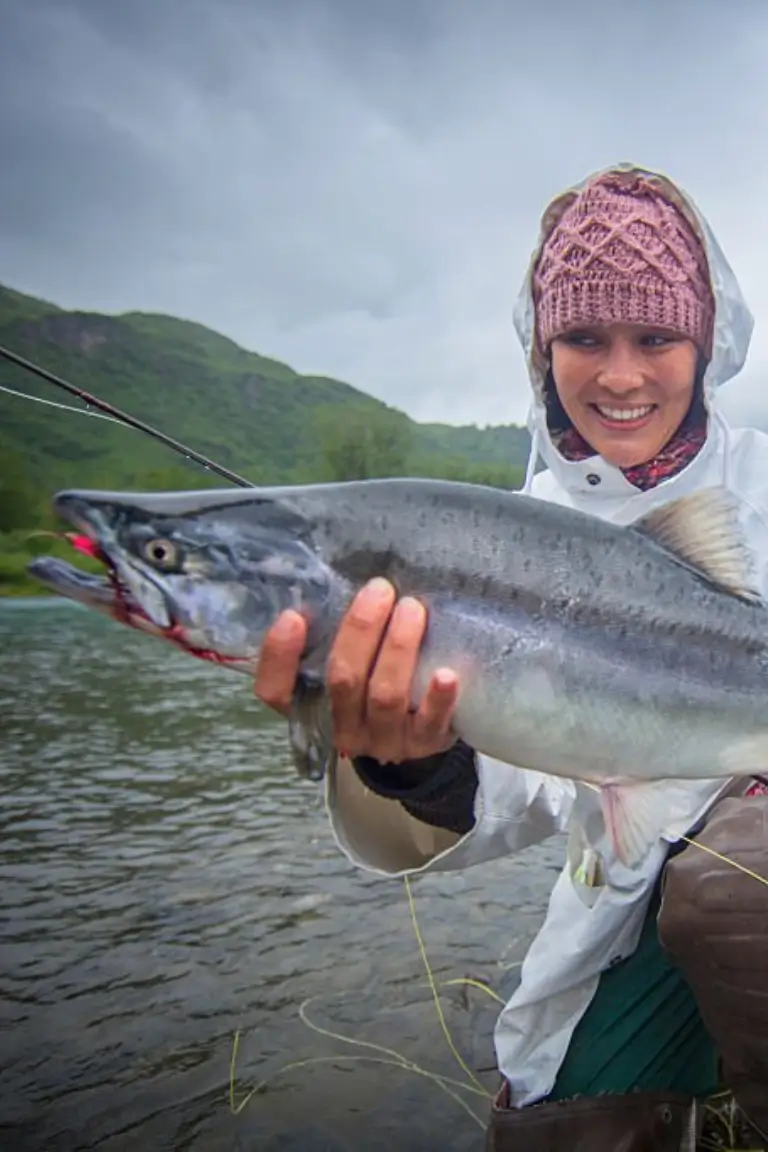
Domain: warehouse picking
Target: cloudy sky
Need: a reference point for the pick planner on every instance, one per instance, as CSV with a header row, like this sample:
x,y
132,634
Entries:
x,y
354,186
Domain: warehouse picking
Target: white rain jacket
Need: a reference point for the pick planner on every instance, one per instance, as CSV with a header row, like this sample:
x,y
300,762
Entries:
x,y
586,927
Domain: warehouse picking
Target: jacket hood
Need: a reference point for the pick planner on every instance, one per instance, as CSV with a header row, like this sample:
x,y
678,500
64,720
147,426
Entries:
x,y
733,321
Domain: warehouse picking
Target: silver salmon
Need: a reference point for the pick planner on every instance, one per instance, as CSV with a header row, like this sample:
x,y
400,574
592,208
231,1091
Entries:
x,y
612,655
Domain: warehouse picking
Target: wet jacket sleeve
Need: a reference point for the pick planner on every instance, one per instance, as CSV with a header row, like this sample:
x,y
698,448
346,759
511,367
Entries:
x,y
454,816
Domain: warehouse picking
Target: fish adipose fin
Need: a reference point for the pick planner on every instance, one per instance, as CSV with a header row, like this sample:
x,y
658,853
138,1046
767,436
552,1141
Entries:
x,y
637,816
703,530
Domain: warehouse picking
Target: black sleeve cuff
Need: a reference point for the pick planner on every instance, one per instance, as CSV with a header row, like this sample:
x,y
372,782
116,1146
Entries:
x,y
438,790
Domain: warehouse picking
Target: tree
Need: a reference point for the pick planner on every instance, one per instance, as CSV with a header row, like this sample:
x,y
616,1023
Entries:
x,y
182,476
459,468
360,443
19,501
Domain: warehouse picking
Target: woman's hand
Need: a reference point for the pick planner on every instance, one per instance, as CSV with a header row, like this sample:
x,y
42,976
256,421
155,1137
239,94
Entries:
x,y
369,676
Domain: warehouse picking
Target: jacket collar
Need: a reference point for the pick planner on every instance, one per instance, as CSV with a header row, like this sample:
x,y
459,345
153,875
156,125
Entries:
x,y
593,480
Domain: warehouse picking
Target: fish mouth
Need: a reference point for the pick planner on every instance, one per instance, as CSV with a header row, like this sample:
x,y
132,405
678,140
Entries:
x,y
88,588
136,594
105,593
127,592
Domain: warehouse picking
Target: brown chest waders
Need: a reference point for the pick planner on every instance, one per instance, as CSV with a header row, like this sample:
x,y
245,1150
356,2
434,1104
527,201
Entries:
x,y
642,1059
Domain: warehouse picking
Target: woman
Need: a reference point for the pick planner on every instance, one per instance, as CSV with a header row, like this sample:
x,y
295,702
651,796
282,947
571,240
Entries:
x,y
640,982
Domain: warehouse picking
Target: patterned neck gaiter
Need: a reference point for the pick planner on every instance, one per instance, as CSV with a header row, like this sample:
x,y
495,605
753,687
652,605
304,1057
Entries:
x,y
676,455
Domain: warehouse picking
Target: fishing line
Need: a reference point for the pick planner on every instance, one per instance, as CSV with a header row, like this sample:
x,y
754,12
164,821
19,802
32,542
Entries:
x,y
726,860
387,1056
407,1065
704,847
61,407
92,401
433,988
393,1058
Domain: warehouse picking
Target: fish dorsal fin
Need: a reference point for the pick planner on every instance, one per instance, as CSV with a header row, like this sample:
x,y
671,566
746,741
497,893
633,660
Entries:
x,y
703,530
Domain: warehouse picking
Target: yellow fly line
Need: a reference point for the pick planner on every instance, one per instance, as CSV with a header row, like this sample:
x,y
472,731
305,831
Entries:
x,y
391,1057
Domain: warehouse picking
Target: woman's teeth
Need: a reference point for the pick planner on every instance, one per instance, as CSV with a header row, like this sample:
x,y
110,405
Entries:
x,y
624,413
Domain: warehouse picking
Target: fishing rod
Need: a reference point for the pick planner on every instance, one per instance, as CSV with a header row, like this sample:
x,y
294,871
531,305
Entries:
x,y
92,401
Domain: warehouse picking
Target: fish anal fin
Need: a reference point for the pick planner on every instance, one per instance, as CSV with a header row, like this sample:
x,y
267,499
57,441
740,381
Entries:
x,y
703,530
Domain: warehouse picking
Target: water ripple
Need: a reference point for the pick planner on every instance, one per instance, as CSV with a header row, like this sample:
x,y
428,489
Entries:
x,y
167,880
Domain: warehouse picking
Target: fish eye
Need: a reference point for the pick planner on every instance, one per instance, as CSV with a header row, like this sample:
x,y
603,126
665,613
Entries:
x,y
161,552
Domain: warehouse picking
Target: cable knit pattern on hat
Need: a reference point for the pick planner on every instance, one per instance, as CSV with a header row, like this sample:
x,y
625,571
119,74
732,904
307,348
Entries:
x,y
621,253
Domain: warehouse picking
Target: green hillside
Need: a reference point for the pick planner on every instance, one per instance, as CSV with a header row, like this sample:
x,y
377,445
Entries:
x,y
253,414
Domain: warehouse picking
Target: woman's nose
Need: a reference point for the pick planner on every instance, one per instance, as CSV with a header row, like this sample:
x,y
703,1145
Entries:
x,y
621,370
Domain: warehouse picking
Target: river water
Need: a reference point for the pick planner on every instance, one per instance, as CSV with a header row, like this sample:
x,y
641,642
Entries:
x,y
168,882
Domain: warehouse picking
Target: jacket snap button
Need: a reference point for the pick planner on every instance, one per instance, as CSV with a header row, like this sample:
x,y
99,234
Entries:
x,y
666,1114
593,478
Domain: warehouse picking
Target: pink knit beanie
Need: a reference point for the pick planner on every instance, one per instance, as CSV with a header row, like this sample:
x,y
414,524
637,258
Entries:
x,y
621,252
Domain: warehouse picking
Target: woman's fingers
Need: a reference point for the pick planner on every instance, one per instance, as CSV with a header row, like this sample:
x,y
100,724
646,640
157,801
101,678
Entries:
x,y
387,708
351,659
369,677
278,664
430,726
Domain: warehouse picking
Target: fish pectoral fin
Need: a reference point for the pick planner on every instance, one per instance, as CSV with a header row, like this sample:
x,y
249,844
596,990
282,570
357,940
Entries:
x,y
637,816
309,728
703,530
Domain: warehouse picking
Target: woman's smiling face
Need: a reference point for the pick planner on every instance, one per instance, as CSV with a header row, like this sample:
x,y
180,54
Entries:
x,y
625,387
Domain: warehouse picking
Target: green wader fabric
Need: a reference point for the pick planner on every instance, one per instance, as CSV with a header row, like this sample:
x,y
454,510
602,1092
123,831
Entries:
x,y
642,1031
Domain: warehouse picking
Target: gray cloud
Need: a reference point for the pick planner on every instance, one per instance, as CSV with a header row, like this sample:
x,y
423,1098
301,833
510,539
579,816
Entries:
x,y
355,188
